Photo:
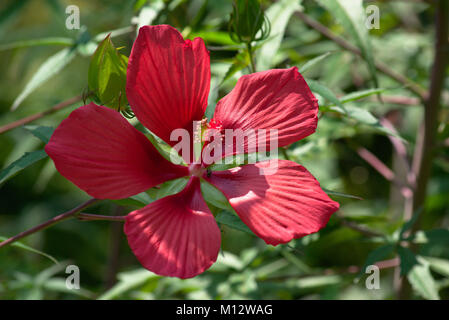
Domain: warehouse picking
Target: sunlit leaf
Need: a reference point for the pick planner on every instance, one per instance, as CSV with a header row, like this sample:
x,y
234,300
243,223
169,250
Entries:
x,y
278,14
422,281
311,63
351,15
107,75
127,281
52,66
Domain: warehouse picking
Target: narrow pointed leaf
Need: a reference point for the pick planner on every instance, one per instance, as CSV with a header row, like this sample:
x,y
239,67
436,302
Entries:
x,y
23,162
52,66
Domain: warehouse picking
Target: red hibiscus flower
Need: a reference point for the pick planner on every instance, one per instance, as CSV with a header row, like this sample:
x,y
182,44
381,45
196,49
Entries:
x,y
168,83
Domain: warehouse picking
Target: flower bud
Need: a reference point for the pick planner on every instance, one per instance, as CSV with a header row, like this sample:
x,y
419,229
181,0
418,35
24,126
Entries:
x,y
107,76
247,19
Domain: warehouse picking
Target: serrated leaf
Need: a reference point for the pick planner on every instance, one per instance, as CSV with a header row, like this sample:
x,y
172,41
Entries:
x,y
278,14
408,224
43,133
351,15
437,236
52,66
23,162
422,281
438,265
28,248
408,260
376,255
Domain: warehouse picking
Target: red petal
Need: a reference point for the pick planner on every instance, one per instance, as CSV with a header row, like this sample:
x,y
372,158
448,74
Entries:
x,y
277,206
274,99
175,236
168,80
103,154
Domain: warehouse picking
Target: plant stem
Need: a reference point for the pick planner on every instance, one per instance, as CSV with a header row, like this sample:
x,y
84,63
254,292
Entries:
x,y
39,115
95,217
414,87
251,57
425,144
64,216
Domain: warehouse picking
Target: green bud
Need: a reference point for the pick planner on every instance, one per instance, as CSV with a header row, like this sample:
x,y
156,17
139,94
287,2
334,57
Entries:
x,y
247,19
107,76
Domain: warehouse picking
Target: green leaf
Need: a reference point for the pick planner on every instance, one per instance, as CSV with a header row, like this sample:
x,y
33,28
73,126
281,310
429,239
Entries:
x,y
127,281
59,285
50,41
23,162
351,15
241,61
43,133
246,21
165,150
318,281
376,255
361,94
434,237
407,225
20,245
107,75
325,92
219,37
438,265
214,196
340,194
231,220
52,66
278,14
408,260
168,188
363,117
422,281
309,64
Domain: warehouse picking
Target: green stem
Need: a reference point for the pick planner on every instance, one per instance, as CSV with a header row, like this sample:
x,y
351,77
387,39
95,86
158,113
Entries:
x,y
251,57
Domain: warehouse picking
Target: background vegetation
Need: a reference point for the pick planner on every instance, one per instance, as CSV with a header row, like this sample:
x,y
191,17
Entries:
x,y
375,91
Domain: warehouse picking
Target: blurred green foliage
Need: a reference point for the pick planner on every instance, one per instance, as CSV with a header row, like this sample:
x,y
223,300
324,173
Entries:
x,y
44,63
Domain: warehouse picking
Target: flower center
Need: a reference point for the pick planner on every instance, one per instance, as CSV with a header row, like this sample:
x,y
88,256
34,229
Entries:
x,y
197,170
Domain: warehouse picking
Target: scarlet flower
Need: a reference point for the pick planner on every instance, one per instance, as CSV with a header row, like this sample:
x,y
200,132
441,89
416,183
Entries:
x,y
168,83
